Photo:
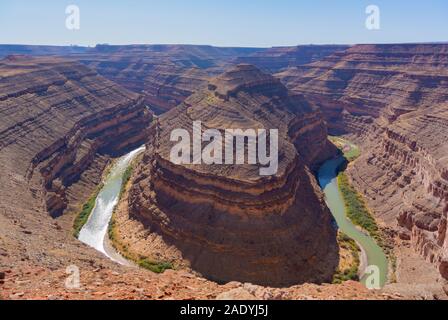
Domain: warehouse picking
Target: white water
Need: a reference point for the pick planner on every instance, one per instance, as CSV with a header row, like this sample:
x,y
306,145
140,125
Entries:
x,y
95,230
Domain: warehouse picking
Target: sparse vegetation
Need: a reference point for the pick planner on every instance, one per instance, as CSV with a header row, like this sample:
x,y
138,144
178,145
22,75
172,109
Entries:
x,y
356,208
83,216
154,266
126,177
143,262
350,272
360,215
351,152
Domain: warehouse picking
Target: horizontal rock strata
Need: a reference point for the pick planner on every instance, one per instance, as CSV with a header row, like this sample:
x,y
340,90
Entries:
x,y
393,99
228,222
164,74
57,116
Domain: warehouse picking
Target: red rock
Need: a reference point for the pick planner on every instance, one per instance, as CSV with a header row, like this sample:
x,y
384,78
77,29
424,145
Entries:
x,y
232,210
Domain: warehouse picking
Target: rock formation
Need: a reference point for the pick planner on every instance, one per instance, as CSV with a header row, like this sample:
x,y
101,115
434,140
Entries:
x,y
164,74
57,116
230,223
393,99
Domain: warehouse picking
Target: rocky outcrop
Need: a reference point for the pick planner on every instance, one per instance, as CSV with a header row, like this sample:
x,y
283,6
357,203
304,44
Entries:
x,y
56,118
230,223
392,99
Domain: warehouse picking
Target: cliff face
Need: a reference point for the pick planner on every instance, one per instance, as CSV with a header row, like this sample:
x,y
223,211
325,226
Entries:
x,y
404,174
57,117
393,99
230,223
164,74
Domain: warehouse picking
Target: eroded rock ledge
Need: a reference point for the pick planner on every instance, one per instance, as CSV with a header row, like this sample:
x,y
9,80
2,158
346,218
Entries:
x,y
229,223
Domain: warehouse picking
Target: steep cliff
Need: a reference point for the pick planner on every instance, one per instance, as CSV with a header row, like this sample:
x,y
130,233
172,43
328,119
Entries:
x,y
230,223
57,116
393,99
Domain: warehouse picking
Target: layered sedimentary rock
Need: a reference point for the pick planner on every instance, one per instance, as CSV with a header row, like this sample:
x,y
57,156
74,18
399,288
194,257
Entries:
x,y
369,82
393,99
167,74
164,74
279,58
38,50
56,118
404,174
229,222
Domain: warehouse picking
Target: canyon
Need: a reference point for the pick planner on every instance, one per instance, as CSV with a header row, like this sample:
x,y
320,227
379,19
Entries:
x,y
392,99
229,222
67,112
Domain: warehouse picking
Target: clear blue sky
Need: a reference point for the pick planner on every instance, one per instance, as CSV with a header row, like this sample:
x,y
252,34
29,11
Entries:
x,y
261,23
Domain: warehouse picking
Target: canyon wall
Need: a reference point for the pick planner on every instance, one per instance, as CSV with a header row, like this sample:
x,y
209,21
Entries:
x,y
230,223
164,74
393,99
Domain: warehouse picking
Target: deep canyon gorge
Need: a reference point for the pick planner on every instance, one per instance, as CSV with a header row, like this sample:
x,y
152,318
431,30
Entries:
x,y
68,112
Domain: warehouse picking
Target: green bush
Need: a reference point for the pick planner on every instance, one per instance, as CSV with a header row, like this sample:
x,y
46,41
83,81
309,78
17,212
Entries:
x,y
351,273
154,266
126,177
356,209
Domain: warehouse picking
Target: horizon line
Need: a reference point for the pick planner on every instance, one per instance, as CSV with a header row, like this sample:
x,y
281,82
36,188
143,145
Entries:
x,y
222,46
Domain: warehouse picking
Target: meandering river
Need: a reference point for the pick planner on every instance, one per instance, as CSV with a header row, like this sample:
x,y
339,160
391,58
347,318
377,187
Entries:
x,y
375,255
95,230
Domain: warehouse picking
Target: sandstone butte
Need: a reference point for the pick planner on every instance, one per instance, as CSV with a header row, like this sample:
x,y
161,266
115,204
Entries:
x,y
391,99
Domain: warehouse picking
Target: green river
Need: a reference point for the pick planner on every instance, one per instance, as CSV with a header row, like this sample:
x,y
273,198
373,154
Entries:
x,y
376,258
95,230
